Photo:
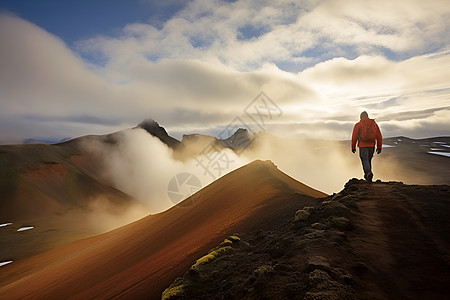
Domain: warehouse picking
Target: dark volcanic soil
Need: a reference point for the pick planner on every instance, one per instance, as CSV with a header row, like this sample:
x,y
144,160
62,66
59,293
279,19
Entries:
x,y
370,241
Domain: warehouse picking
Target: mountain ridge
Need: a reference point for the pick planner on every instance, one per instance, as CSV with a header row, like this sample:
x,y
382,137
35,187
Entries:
x,y
369,241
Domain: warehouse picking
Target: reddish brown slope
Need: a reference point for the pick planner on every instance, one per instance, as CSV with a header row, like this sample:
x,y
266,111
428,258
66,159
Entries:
x,y
54,189
141,259
39,181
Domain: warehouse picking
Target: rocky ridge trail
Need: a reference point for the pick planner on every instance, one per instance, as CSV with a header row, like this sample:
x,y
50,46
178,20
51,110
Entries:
x,y
384,240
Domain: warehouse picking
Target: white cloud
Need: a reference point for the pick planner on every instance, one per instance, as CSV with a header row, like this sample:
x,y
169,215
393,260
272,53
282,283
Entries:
x,y
215,32
205,64
47,90
435,124
381,85
142,166
40,78
403,26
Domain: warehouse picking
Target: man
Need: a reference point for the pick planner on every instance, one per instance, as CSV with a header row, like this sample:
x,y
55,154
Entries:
x,y
366,132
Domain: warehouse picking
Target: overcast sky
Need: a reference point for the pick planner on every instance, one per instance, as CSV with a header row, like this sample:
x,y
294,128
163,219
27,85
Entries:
x,y
71,68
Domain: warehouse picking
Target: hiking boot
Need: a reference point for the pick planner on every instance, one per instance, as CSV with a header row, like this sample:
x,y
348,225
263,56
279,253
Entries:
x,y
369,177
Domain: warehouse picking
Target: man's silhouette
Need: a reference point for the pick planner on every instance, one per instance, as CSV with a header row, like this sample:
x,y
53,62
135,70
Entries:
x,y
366,132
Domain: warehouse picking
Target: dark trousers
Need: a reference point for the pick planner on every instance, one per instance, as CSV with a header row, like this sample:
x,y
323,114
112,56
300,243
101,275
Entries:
x,y
366,154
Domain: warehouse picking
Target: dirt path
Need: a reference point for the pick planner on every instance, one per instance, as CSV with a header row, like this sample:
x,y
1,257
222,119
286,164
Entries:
x,y
400,254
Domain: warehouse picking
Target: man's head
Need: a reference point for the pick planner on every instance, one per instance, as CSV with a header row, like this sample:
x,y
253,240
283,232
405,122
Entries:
x,y
364,114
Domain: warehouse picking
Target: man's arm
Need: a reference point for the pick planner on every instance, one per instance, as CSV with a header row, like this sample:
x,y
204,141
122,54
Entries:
x,y
379,139
355,136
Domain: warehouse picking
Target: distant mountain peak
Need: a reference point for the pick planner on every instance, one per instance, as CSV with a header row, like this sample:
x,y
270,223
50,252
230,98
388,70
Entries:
x,y
241,130
152,127
241,139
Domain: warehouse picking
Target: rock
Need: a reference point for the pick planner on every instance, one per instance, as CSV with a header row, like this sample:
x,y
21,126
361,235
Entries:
x,y
280,248
314,234
283,267
292,290
352,188
339,237
234,238
319,226
329,289
322,295
351,182
341,223
318,276
263,271
349,201
335,198
317,262
337,209
262,275
175,291
304,214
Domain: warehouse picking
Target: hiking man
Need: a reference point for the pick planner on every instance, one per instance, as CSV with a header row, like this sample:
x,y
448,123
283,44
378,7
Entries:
x,y
366,132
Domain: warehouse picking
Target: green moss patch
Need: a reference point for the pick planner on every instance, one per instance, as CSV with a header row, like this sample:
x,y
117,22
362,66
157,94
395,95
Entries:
x,y
211,256
173,292
304,214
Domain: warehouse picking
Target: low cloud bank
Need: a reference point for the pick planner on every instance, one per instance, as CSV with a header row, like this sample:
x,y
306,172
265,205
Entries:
x,y
142,166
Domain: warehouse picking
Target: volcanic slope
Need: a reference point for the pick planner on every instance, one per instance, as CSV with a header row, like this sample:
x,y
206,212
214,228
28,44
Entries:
x,y
139,260
385,240
38,181
57,190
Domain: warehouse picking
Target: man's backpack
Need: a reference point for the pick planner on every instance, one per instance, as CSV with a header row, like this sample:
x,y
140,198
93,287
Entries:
x,y
367,131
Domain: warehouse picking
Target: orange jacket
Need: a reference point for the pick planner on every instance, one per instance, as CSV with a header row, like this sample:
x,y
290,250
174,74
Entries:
x,y
379,138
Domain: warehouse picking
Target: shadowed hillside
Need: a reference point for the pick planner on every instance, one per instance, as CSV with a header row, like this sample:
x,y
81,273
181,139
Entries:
x,y
38,180
58,190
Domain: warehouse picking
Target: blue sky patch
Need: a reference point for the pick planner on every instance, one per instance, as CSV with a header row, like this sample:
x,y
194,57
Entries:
x,y
250,31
